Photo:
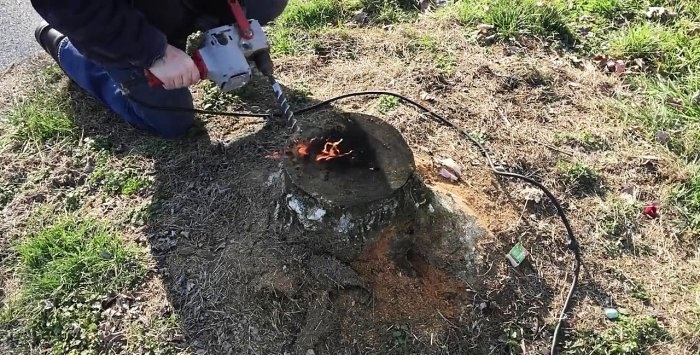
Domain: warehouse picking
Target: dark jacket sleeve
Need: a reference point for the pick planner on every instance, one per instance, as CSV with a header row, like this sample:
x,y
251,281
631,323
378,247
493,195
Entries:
x,y
107,31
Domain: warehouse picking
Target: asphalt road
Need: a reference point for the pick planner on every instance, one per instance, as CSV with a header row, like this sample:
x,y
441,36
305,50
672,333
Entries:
x,y
17,21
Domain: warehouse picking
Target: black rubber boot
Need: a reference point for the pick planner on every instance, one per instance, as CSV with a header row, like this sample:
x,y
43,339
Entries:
x,y
49,39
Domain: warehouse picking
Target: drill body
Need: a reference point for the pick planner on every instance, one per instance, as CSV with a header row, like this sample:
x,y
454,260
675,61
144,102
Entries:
x,y
224,55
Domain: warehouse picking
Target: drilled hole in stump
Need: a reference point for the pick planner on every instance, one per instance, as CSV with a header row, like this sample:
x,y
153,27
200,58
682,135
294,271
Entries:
x,y
350,160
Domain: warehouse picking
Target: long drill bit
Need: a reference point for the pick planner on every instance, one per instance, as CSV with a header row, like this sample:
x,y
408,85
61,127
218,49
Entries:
x,y
284,105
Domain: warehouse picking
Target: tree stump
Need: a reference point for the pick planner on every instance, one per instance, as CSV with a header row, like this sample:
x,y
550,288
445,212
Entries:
x,y
348,176
371,224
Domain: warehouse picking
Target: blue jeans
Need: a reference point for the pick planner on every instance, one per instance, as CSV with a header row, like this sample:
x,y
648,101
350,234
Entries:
x,y
110,87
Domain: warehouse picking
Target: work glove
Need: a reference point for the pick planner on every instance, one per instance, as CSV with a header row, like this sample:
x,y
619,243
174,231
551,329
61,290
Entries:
x,y
175,69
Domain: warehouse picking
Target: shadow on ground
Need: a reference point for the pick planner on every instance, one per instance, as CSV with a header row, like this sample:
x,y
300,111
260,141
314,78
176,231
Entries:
x,y
239,282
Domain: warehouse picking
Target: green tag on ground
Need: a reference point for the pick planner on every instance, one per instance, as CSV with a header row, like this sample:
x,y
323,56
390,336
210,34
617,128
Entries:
x,y
517,254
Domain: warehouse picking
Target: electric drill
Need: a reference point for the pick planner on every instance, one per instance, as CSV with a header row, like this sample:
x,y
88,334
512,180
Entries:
x,y
224,55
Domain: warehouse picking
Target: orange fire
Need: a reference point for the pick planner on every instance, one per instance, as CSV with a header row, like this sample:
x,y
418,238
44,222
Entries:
x,y
331,151
303,149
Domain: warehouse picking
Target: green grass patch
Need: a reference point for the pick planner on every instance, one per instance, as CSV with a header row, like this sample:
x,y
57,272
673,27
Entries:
x,y
579,177
41,118
610,9
66,269
125,182
637,290
299,95
7,193
618,224
52,73
516,18
627,336
642,40
155,337
388,103
301,20
215,99
687,198
315,14
672,106
584,139
390,11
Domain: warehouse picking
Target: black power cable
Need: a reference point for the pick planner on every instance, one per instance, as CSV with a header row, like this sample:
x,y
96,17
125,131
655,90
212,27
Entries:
x,y
572,243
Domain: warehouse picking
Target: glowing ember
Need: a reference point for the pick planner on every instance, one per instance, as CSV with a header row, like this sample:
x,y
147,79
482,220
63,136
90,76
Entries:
x,y
303,149
331,151
274,155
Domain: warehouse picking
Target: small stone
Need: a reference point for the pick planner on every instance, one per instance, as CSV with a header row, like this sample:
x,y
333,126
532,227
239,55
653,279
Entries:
x,y
660,13
310,352
361,17
186,250
448,175
696,97
426,96
662,137
119,149
612,313
89,167
484,28
452,167
532,194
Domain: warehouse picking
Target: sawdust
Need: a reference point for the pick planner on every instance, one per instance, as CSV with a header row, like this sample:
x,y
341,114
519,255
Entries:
x,y
421,295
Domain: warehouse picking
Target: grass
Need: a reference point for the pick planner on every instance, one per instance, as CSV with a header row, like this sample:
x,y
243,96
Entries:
x,y
687,197
41,118
579,177
514,19
215,99
609,9
628,336
388,103
389,11
66,268
7,192
125,182
299,95
584,139
302,22
314,15
664,101
618,225
155,337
